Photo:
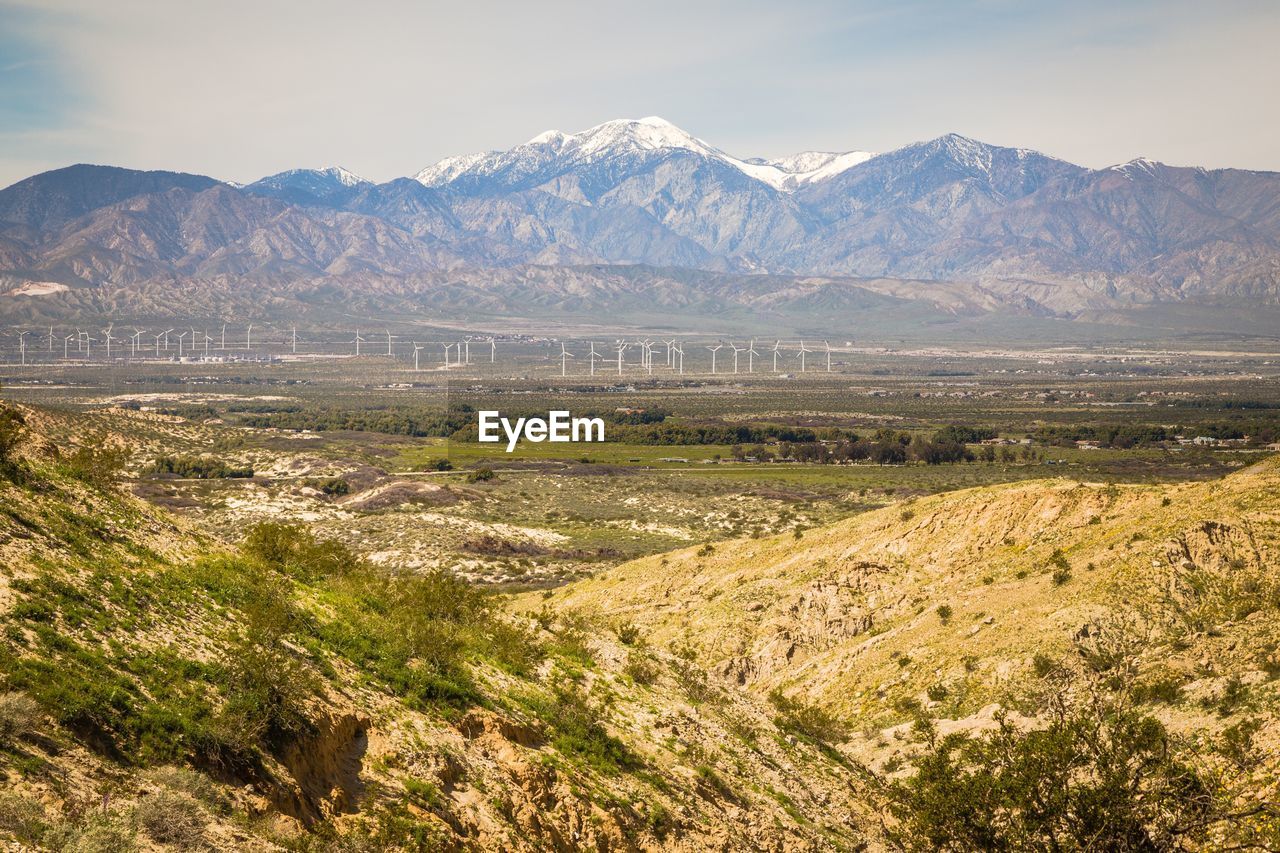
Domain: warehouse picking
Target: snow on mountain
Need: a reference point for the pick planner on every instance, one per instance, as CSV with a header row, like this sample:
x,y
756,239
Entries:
x,y
622,136
329,174
310,186
810,166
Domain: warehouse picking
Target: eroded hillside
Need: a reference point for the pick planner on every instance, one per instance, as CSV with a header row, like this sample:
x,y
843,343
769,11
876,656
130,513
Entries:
x,y
160,692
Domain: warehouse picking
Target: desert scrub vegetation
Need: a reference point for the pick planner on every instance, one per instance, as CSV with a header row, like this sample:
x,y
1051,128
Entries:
x,y
1090,768
196,468
278,618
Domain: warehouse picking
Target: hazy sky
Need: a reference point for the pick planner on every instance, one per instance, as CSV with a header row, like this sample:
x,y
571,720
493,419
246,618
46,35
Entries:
x,y
239,89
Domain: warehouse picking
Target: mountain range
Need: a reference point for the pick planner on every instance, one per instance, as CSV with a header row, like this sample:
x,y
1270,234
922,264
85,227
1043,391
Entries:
x,y
953,222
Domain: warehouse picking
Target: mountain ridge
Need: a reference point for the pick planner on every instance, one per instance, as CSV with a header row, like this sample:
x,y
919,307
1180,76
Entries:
x,y
643,192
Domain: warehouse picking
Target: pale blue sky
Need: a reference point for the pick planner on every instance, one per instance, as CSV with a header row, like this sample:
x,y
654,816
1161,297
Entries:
x,y
243,88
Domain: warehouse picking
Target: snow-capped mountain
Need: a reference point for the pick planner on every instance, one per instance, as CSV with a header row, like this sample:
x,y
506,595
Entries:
x,y
554,153
808,167
644,192
321,187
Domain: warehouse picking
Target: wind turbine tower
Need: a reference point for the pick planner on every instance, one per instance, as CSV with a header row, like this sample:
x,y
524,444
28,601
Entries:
x,y
715,349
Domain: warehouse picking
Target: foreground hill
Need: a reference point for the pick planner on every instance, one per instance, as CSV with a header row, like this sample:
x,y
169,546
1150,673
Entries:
x,y
160,692
1042,599
1024,568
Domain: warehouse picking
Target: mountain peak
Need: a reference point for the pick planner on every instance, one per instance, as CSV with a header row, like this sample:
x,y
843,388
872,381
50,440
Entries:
x,y
554,151
343,176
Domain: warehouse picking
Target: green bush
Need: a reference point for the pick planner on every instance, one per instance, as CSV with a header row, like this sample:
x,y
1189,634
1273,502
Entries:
x,y
1094,773
12,425
812,722
197,468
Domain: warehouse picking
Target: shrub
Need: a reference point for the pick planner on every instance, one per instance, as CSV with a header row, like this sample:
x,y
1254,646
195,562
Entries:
x,y
1097,771
21,817
335,487
640,668
12,425
481,475
1061,567
174,819
99,467
1164,689
196,468
628,633
944,613
19,716
97,833
811,721
579,731
294,551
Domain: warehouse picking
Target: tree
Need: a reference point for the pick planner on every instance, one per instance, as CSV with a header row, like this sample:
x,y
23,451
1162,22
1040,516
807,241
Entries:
x,y
1092,772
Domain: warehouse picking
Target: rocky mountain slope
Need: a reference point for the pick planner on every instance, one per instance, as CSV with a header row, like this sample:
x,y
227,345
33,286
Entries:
x,y
950,210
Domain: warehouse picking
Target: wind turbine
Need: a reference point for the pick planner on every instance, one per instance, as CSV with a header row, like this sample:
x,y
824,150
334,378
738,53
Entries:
x,y
133,339
593,358
207,340
493,350
295,340
22,346
66,345
447,347
51,339
671,360
736,350
680,355
390,354
357,340
715,349
165,335
223,345
180,337
467,348
110,326
248,338
751,360
803,349
565,355
828,346
777,345
417,348
622,346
